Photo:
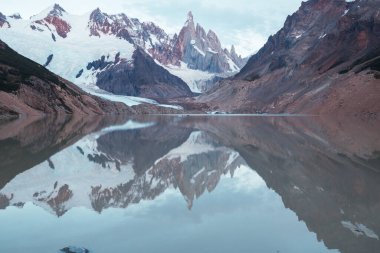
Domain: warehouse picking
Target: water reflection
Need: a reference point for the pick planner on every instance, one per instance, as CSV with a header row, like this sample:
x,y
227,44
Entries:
x,y
191,184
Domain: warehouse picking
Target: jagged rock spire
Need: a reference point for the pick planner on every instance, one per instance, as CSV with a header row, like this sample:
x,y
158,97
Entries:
x,y
190,16
190,19
233,51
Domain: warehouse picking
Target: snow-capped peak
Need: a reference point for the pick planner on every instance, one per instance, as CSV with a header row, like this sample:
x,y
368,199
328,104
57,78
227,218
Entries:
x,y
97,14
52,11
57,10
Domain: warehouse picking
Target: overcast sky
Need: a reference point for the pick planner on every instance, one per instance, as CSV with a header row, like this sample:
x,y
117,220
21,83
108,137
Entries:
x,y
245,23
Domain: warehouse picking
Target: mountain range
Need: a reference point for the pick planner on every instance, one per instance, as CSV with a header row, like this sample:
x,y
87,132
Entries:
x,y
325,60
114,52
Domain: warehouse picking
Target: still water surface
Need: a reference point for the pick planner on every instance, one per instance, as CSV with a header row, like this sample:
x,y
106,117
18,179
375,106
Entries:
x,y
189,184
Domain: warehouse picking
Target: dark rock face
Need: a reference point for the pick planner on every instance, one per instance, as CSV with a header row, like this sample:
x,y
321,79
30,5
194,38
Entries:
x,y
101,63
16,16
48,60
28,88
321,35
3,21
322,54
142,77
57,11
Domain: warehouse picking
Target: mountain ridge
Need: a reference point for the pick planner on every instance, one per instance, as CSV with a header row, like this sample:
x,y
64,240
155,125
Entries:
x,y
323,61
54,26
27,88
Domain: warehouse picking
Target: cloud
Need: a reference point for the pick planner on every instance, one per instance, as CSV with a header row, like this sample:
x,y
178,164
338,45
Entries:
x,y
247,41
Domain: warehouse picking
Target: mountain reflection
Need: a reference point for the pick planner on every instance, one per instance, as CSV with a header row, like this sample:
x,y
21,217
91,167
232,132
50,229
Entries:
x,y
326,172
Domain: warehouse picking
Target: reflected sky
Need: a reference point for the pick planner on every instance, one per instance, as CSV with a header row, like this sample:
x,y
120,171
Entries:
x,y
236,217
168,184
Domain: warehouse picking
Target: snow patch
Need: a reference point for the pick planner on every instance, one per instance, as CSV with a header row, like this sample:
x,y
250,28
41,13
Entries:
x,y
129,125
193,78
199,51
360,229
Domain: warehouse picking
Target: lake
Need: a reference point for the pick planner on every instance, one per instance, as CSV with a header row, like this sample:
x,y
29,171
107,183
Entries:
x,y
189,184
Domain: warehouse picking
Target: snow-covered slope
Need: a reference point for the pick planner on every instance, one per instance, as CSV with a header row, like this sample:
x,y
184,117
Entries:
x,y
80,47
69,55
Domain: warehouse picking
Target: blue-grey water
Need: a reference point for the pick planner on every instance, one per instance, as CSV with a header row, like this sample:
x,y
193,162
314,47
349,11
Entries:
x,y
189,184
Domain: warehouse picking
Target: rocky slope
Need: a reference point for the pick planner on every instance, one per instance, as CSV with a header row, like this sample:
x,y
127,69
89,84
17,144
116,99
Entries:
x,y
324,60
27,88
113,43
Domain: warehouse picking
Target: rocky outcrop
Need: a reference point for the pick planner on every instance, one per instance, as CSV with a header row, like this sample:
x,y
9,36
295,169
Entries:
x,y
324,60
141,77
16,16
3,21
55,20
27,88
